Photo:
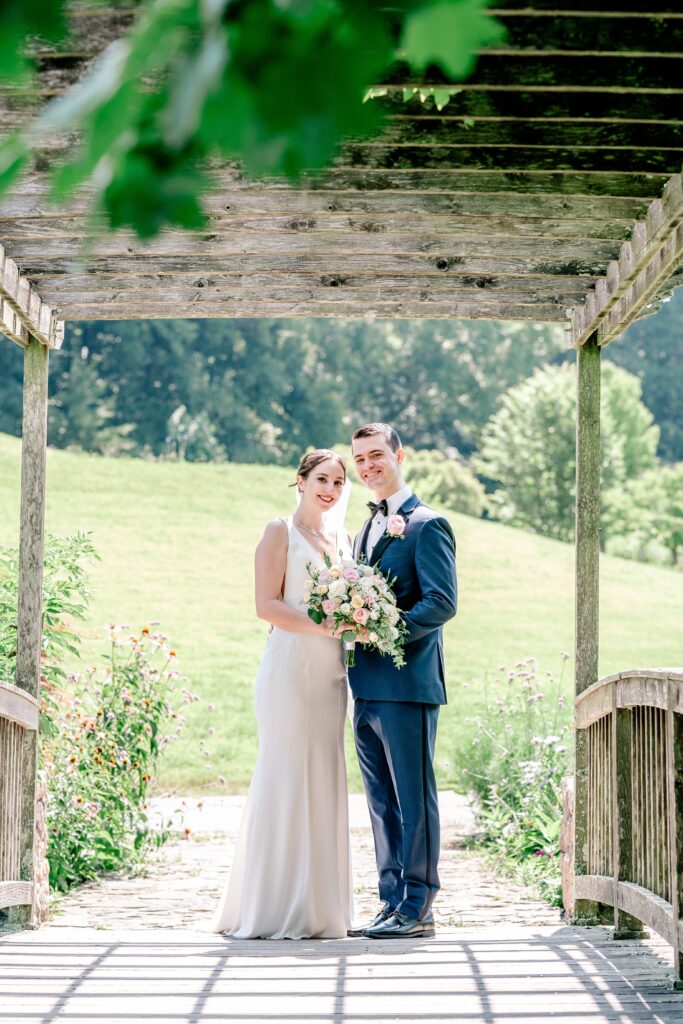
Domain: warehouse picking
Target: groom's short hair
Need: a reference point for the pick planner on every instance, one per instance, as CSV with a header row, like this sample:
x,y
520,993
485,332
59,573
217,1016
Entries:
x,y
383,429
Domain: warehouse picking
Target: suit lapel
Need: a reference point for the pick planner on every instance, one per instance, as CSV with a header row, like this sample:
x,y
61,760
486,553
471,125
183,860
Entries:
x,y
361,538
408,506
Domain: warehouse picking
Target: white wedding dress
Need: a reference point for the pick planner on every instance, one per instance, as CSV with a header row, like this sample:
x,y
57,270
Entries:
x,y
291,875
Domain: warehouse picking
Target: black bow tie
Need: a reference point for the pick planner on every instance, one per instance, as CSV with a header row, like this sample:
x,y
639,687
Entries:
x,y
379,506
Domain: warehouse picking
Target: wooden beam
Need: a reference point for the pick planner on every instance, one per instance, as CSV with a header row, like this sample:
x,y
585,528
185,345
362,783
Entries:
x,y
387,310
23,314
512,158
106,287
441,262
645,263
160,292
29,198
311,241
340,223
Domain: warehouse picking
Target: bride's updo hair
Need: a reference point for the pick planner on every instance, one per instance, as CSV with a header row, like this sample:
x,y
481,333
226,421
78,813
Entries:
x,y
312,459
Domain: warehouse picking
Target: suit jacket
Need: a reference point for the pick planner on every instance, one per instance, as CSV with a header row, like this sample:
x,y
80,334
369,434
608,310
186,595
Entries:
x,y
423,563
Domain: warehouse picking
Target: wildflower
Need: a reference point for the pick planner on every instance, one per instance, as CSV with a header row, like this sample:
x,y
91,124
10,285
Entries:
x,y
145,630
211,730
564,656
221,779
186,832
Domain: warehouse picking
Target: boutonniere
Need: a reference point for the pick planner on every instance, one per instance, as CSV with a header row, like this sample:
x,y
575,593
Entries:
x,y
396,527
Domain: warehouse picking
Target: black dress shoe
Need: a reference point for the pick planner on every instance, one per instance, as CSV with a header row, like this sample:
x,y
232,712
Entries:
x,y
385,912
400,926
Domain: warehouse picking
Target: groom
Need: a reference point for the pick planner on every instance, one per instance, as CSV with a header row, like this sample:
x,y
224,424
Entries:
x,y
396,709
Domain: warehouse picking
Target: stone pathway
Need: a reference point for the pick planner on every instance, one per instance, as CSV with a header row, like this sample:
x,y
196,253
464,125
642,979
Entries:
x,y
181,884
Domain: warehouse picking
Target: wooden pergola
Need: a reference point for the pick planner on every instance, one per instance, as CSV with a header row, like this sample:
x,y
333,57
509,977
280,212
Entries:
x,y
549,188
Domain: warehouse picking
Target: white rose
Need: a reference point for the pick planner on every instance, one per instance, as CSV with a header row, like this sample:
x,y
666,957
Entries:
x,y
374,615
338,588
393,632
321,589
345,609
373,638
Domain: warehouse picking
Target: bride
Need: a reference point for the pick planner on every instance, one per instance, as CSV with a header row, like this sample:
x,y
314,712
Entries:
x,y
291,875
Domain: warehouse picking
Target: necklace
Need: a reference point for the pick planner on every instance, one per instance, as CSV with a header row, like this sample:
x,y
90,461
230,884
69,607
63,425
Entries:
x,y
314,533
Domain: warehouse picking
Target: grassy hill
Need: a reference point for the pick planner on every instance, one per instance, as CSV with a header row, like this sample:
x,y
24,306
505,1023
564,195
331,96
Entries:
x,y
176,542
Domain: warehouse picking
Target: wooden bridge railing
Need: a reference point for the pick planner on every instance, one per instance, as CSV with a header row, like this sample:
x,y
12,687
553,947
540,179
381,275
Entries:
x,y
629,836
18,729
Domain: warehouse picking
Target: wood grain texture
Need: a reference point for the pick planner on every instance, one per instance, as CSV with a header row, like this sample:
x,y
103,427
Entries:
x,y
18,706
14,894
541,165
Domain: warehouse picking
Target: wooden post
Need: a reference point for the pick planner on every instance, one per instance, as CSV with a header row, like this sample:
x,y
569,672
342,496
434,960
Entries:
x,y
674,765
625,926
30,608
587,586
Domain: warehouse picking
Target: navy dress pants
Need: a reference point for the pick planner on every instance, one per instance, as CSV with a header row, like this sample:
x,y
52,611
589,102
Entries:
x,y
395,743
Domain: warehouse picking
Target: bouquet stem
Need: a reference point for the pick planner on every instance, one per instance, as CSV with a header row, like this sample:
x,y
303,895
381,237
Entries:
x,y
349,653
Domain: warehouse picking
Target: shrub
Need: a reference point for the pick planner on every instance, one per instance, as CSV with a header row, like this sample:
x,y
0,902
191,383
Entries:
x,y
103,755
518,753
445,482
529,446
66,592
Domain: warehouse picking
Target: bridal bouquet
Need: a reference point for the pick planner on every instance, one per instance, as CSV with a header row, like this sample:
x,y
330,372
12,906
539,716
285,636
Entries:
x,y
358,600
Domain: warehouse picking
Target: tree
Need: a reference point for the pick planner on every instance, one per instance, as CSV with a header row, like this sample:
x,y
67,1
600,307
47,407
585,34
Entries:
x,y
652,349
528,447
646,510
445,482
276,84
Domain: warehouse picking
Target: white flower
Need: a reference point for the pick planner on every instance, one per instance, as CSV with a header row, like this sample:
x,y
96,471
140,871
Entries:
x,y
345,609
373,638
337,588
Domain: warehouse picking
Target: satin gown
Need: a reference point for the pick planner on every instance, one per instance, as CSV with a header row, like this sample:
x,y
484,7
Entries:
x,y
291,875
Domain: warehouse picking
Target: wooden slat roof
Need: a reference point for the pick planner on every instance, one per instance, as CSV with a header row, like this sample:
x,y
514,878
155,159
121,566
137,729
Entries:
x,y
513,202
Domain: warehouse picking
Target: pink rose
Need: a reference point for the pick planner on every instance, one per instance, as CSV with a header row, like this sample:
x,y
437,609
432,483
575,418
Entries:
x,y
396,526
351,574
329,606
361,615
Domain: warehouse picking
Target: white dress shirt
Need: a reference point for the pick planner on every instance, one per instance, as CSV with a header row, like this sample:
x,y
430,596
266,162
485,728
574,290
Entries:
x,y
379,522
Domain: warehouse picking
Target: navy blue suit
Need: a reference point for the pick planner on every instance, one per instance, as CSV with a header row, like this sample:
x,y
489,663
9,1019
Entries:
x,y
396,710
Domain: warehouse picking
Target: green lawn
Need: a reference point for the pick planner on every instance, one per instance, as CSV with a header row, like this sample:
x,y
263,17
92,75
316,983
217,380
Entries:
x,y
176,542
